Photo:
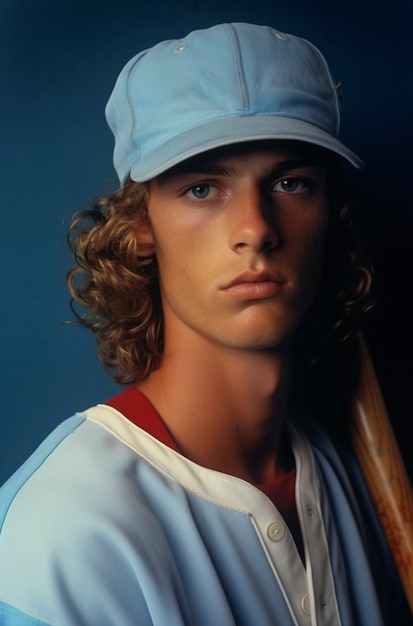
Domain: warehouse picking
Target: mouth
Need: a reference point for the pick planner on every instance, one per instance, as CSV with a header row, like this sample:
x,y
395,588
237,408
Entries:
x,y
255,285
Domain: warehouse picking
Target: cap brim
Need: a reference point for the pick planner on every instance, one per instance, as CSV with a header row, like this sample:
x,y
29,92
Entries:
x,y
223,132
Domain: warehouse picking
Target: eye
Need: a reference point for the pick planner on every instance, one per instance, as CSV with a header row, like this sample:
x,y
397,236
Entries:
x,y
200,191
290,185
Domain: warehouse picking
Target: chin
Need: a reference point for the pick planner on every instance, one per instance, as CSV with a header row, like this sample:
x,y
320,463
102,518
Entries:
x,y
263,341
267,332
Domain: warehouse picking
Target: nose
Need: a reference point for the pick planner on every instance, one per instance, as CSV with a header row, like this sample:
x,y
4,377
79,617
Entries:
x,y
253,227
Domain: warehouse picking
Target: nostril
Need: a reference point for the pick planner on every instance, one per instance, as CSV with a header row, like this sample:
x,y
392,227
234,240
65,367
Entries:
x,y
264,247
241,246
269,245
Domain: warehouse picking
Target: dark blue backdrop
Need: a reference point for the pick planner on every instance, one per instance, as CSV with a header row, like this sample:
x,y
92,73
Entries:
x,y
58,63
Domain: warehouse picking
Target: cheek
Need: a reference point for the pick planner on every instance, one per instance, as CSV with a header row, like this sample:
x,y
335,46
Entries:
x,y
186,245
310,236
181,263
310,246
315,245
314,258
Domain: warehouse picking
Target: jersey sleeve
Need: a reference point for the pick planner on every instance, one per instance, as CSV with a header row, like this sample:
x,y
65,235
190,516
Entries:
x,y
79,547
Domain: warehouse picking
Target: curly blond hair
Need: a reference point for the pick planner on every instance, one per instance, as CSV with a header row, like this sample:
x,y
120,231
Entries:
x,y
116,282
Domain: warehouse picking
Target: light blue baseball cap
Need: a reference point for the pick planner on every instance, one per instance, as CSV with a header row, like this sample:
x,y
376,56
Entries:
x,y
224,85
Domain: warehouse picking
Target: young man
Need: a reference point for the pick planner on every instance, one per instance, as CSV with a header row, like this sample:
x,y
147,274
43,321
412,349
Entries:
x,y
217,280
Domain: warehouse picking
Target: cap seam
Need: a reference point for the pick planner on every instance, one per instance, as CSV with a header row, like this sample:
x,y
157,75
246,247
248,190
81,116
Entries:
x,y
332,85
239,66
130,100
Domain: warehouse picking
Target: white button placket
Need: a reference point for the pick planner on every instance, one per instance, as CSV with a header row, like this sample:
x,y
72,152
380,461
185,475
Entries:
x,y
285,561
320,600
286,564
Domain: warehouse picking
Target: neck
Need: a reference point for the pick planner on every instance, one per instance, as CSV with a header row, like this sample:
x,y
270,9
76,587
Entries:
x,y
225,408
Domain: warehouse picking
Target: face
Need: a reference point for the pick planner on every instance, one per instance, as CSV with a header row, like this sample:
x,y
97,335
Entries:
x,y
239,237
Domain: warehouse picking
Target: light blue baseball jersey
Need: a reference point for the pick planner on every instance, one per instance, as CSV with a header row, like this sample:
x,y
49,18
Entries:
x,y
106,526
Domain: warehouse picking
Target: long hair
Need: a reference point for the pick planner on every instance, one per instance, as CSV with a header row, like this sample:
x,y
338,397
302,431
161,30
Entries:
x,y
116,283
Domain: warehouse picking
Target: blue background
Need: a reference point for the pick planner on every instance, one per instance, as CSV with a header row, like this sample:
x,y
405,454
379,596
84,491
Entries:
x,y
58,62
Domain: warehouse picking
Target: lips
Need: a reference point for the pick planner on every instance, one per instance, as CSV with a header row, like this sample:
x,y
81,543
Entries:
x,y
255,277
255,285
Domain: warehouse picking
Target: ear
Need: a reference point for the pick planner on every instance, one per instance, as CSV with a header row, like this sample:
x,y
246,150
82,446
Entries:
x,y
146,242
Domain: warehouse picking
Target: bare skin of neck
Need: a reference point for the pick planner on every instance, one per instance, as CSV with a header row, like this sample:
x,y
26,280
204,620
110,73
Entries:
x,y
225,408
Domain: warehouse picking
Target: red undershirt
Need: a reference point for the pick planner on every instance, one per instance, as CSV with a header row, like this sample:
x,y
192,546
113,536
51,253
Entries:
x,y
137,408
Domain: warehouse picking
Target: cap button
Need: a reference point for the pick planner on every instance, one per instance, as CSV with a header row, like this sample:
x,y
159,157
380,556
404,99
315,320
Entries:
x,y
181,47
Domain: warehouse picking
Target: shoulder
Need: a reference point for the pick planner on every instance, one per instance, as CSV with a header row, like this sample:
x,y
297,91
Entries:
x,y
75,529
84,471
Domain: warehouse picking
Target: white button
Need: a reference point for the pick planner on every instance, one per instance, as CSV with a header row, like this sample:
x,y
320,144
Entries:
x,y
305,604
310,511
276,531
281,36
